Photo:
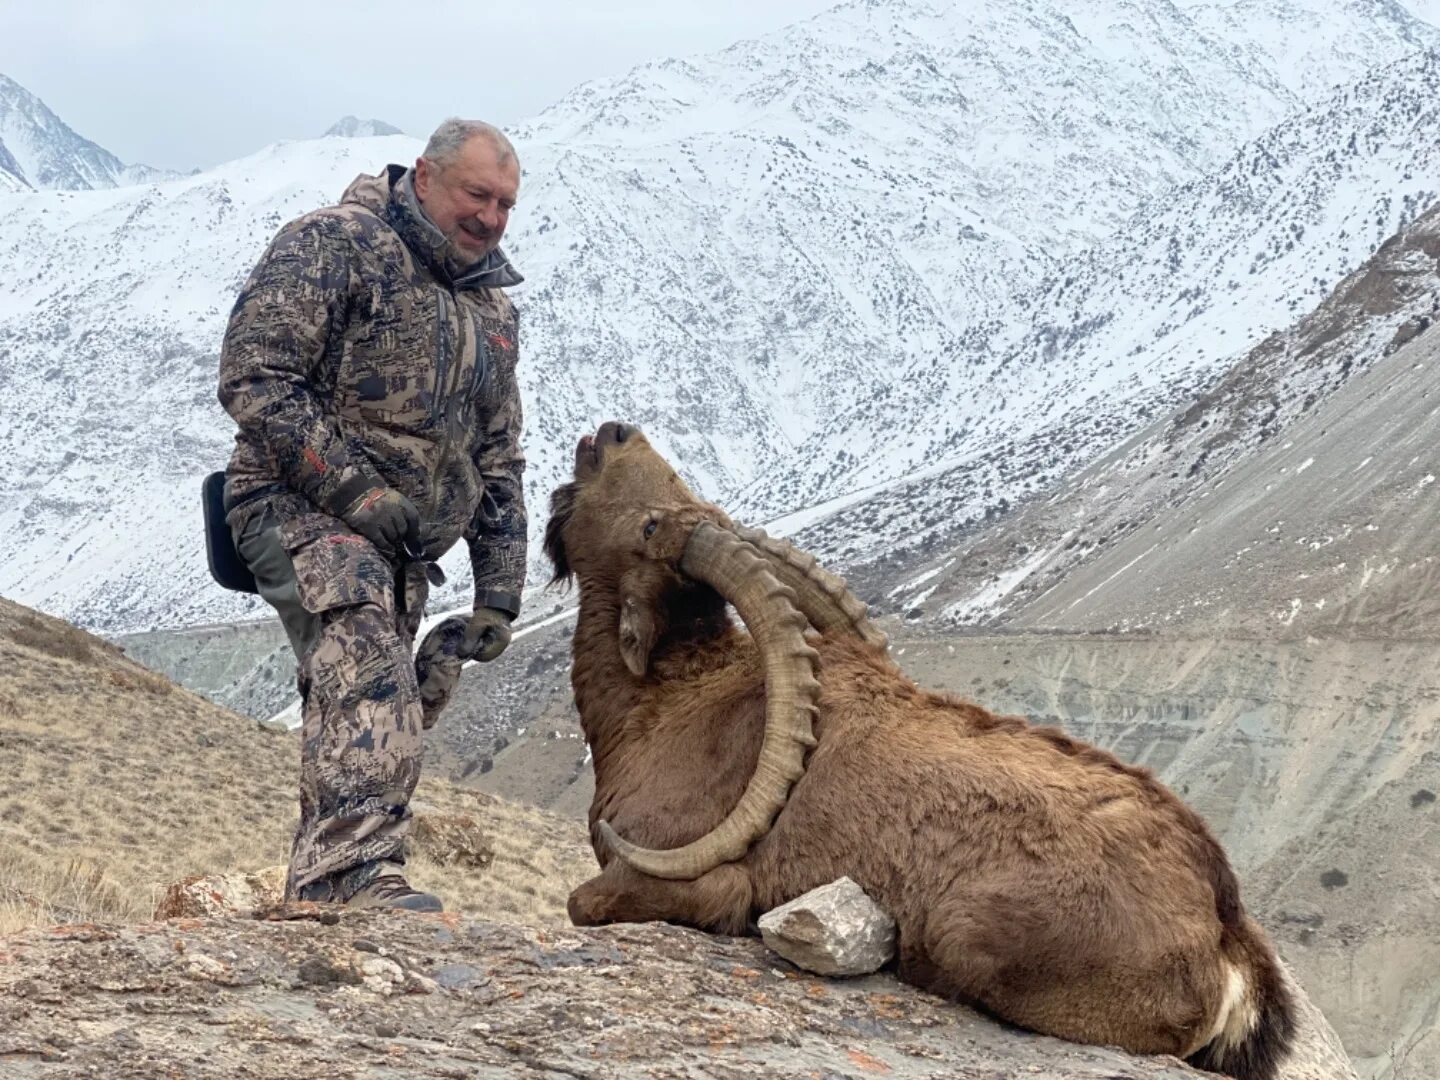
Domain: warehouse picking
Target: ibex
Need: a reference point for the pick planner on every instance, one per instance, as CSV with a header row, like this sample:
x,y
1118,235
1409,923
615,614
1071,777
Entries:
x,y
1029,874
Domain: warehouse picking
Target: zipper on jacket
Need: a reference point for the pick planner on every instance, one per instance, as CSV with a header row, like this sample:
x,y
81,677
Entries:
x,y
482,359
445,394
442,359
440,405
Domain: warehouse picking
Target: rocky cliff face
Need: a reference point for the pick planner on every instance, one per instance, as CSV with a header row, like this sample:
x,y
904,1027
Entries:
x,y
1288,497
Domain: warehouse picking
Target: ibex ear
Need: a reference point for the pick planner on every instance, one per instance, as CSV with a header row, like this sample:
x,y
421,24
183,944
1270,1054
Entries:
x,y
637,634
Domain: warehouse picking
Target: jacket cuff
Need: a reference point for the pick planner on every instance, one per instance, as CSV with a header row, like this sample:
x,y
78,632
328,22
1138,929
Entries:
x,y
505,602
352,487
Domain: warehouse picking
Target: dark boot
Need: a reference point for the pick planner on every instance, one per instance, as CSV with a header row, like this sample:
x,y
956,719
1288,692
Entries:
x,y
384,887
389,889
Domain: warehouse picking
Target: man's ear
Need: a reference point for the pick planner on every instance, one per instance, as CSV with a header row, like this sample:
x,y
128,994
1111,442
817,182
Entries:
x,y
637,634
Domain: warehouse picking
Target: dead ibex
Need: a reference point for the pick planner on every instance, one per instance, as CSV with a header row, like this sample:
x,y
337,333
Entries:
x,y
1028,873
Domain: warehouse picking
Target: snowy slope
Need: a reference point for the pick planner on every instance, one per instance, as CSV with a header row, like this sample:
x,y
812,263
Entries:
x,y
1292,497
1137,323
1296,39
12,176
731,251
866,188
38,150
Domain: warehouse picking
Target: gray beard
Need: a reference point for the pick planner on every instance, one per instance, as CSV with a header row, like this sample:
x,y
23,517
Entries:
x,y
456,260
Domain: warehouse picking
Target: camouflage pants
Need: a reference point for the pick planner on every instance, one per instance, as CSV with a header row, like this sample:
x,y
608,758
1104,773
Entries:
x,y
361,741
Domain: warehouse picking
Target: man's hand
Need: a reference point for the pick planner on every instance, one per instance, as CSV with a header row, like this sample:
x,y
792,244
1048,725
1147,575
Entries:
x,y
386,518
487,636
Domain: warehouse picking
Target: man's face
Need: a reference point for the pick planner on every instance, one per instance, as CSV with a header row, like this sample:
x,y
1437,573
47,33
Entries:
x,y
470,199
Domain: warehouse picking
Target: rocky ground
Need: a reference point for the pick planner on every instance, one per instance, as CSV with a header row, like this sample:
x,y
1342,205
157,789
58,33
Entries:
x,y
365,995
1316,760
121,772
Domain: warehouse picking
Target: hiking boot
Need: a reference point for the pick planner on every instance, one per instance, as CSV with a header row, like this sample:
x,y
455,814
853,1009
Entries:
x,y
384,886
389,889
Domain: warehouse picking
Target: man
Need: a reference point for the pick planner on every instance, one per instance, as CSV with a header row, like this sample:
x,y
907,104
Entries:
x,y
370,365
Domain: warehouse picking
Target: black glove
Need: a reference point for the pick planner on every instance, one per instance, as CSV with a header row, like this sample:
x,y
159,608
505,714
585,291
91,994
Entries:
x,y
487,636
386,518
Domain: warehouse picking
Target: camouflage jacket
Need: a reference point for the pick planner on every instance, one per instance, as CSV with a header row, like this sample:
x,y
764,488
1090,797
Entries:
x,y
352,358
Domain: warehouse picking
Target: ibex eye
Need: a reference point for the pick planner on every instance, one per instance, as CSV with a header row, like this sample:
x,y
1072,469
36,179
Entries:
x,y
650,527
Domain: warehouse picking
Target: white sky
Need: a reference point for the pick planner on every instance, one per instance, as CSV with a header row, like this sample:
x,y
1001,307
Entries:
x,y
181,84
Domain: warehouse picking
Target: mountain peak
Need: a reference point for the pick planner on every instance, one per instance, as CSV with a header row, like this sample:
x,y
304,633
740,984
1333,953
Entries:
x,y
350,127
39,150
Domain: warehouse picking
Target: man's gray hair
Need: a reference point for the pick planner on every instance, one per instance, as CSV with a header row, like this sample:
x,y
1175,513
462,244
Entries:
x,y
445,144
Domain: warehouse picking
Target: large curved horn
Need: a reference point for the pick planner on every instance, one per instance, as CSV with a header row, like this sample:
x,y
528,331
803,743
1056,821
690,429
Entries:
x,y
736,571
822,597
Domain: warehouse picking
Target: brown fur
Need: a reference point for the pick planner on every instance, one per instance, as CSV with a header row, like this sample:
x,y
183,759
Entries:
x,y
1029,873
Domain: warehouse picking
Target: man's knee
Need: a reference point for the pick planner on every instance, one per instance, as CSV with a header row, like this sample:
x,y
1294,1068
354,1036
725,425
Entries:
x,y
359,656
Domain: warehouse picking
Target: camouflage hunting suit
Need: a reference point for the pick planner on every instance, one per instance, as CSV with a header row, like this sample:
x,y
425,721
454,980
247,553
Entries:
x,y
355,358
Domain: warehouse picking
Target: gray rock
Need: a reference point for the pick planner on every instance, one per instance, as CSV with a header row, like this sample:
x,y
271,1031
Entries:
x,y
452,997
833,930
1316,1053
307,992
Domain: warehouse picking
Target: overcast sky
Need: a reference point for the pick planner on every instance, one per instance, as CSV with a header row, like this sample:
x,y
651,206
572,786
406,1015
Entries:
x,y
180,84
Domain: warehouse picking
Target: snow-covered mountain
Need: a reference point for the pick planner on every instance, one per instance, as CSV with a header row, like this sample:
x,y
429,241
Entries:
x,y
1297,40
1290,498
39,150
820,208
351,127
733,251
1132,326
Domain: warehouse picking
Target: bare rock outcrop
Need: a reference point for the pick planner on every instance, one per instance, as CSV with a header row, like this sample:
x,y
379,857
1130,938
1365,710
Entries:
x,y
370,994
209,895
311,992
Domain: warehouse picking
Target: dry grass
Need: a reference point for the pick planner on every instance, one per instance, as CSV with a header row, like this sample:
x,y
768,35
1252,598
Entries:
x,y
119,782
51,637
538,858
48,890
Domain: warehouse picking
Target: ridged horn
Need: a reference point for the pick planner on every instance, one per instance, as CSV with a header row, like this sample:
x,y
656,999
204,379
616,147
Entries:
x,y
737,572
821,596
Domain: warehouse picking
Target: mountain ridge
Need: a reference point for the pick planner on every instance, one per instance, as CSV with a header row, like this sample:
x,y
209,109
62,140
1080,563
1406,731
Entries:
x,y
730,272
352,127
